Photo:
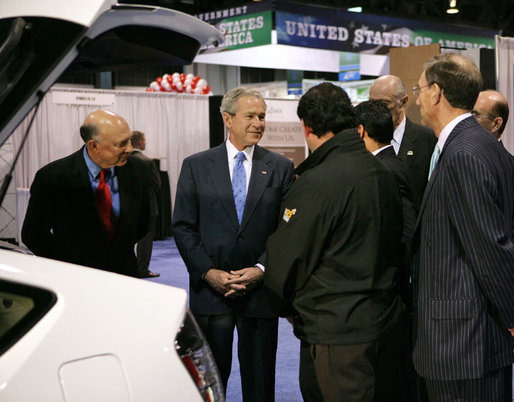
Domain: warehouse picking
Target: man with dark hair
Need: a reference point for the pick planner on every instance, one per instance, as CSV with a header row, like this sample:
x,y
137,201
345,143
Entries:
x,y
375,127
145,245
227,204
412,142
334,258
463,253
91,207
492,112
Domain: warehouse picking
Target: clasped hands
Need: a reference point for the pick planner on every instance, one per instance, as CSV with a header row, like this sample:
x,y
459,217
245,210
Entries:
x,y
234,283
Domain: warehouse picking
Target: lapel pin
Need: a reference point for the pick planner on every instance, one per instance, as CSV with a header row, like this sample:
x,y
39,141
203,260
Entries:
x,y
264,172
410,153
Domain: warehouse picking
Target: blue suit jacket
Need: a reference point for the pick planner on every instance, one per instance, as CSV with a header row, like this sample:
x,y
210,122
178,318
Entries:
x,y
207,231
464,260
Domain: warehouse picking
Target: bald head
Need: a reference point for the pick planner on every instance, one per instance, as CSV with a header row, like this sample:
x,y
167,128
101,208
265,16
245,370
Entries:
x,y
390,90
492,111
107,138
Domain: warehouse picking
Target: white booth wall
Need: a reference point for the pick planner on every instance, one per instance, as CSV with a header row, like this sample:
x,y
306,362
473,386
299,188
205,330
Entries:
x,y
176,126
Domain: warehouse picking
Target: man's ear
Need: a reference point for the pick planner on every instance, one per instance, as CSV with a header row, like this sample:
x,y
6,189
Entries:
x,y
403,101
227,119
362,132
498,121
437,94
306,129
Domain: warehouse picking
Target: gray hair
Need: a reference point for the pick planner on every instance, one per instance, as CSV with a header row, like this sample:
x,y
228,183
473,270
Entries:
x,y
229,101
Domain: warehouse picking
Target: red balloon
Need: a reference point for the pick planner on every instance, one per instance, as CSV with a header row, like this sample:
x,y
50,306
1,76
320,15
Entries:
x,y
182,78
159,80
150,90
206,90
169,78
173,87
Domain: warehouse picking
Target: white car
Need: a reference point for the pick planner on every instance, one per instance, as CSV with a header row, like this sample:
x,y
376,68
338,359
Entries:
x,y
71,333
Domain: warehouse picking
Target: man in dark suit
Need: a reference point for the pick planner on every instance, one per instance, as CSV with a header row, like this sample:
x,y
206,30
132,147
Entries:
x,y
145,245
464,250
91,207
227,204
492,112
334,258
412,142
375,126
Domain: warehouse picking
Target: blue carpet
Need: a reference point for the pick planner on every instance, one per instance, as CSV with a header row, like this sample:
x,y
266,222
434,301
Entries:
x,y
166,260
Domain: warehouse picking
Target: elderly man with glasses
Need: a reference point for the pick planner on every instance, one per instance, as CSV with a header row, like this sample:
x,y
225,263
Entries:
x,y
412,142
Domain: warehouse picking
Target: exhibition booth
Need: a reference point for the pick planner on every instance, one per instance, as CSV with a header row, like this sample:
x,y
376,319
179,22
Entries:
x,y
179,124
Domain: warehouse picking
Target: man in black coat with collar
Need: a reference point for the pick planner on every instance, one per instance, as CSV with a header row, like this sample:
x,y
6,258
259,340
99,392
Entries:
x,y
67,221
412,142
227,204
334,258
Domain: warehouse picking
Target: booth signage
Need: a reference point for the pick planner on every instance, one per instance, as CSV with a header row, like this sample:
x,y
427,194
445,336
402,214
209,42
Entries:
x,y
243,26
334,29
82,98
284,132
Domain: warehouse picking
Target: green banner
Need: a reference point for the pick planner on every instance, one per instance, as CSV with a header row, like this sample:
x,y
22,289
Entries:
x,y
245,31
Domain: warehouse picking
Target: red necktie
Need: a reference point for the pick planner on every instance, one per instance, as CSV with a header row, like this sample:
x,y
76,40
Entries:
x,y
104,203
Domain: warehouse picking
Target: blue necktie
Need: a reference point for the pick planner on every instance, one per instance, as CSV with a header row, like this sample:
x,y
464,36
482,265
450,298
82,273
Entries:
x,y
239,185
433,161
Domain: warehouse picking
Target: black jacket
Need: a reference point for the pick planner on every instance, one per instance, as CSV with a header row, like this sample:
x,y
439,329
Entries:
x,y
335,253
62,220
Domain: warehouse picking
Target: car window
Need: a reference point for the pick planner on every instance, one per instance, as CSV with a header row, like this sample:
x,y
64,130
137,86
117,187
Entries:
x,y
21,307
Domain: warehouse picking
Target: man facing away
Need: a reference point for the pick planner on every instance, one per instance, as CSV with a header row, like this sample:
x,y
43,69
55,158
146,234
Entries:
x,y
145,245
463,249
334,258
227,204
412,142
91,207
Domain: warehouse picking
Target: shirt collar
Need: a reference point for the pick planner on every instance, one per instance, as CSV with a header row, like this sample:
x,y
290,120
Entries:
x,y
399,131
380,149
232,151
92,167
445,133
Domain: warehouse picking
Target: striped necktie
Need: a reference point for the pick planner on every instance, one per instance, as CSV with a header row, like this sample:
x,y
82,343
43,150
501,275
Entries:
x,y
239,185
433,161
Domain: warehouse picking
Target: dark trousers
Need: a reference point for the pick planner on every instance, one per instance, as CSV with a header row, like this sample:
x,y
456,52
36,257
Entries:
x,y
256,350
144,249
370,371
496,386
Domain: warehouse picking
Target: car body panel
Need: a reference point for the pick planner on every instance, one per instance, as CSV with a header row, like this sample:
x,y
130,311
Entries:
x,y
98,318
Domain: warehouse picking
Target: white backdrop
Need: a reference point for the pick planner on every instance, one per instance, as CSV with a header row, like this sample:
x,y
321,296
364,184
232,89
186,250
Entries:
x,y
505,76
176,126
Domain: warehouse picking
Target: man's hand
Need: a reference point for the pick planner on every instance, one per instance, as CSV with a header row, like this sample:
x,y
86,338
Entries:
x,y
218,280
244,280
511,330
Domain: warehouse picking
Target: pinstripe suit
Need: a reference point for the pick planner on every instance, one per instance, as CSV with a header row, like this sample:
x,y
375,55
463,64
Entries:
x,y
464,260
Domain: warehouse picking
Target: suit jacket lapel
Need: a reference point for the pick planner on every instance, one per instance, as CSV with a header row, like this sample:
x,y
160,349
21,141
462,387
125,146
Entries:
x,y
217,170
83,191
261,174
408,142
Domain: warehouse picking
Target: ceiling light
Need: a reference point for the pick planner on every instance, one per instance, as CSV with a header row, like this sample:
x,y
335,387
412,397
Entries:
x,y
355,9
453,7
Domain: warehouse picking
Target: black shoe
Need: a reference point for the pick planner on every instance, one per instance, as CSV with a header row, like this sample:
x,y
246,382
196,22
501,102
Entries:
x,y
150,274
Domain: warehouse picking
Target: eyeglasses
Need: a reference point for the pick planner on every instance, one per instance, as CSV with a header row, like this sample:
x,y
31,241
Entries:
x,y
417,90
479,116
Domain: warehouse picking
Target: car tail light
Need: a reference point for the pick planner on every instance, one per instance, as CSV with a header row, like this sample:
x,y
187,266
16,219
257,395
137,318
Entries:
x,y
199,361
